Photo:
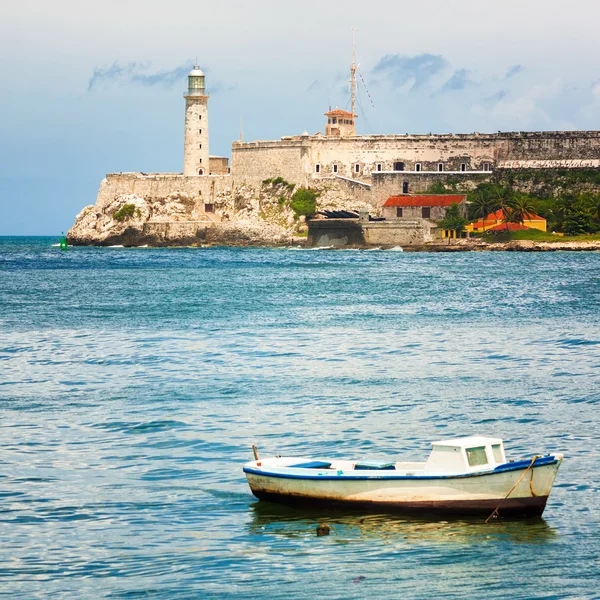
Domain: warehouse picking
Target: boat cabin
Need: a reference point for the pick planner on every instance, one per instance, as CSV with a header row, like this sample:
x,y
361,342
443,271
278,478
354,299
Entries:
x,y
465,455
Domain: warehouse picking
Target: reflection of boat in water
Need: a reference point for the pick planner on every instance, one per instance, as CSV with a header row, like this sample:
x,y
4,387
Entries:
x,y
350,524
461,476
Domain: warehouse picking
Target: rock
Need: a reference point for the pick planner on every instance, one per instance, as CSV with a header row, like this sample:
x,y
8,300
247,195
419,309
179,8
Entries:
x,y
323,529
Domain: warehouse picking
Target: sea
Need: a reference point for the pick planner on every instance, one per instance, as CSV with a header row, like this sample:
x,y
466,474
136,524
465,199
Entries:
x,y
134,381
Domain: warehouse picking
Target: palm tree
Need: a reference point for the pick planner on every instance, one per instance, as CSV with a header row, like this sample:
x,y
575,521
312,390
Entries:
x,y
522,208
483,203
504,198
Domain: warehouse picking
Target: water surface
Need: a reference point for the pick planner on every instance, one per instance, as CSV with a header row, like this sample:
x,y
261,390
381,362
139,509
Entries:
x,y
134,381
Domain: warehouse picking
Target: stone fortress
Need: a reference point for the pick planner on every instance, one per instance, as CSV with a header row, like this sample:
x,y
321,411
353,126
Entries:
x,y
214,202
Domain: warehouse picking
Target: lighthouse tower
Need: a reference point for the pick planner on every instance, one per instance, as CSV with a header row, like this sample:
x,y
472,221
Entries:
x,y
195,143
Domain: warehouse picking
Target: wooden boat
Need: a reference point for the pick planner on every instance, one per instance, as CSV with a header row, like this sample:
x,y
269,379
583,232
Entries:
x,y
467,475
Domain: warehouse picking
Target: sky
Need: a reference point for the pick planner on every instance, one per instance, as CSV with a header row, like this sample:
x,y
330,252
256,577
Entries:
x,y
88,88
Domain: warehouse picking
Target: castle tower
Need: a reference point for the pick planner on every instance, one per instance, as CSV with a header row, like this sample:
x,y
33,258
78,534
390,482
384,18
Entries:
x,y
195,143
340,123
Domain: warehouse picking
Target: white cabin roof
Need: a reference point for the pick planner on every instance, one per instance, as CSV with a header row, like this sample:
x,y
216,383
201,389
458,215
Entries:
x,y
468,442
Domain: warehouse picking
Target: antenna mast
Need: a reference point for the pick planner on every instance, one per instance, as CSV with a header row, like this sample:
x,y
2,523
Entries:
x,y
353,74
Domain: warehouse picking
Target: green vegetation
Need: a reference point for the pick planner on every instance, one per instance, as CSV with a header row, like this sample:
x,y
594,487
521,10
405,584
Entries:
x,y
304,202
453,219
535,235
279,181
439,188
569,213
126,211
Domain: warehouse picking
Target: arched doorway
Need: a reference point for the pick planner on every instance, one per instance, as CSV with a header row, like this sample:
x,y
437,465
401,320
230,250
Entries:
x,y
200,171
405,187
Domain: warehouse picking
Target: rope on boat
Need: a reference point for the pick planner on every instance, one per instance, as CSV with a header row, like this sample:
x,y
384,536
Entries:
x,y
512,489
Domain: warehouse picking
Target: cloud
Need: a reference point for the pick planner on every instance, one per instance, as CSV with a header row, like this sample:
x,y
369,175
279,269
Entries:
x,y
495,98
514,70
401,69
134,72
458,81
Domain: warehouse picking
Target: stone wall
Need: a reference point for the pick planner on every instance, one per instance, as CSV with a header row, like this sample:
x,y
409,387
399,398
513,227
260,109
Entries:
x,y
254,162
334,233
399,233
339,233
296,158
154,185
389,184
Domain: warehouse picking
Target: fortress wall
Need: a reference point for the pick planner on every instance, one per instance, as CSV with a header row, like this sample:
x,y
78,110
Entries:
x,y
160,185
295,159
552,145
369,151
255,161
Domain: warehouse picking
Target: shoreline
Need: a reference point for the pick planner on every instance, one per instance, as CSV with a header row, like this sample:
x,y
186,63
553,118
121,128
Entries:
x,y
454,246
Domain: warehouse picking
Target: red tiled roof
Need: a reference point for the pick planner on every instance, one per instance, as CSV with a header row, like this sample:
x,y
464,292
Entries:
x,y
499,215
511,227
339,113
430,200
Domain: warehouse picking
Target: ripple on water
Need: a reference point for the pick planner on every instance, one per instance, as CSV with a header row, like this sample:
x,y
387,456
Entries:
x,y
128,407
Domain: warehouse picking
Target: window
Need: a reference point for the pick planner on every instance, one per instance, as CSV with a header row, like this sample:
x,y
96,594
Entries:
x,y
357,168
335,168
418,167
405,187
317,168
379,166
200,171
497,452
209,208
398,166
440,166
200,131
200,117
199,160
463,167
486,166
426,212
476,456
200,146
334,120
398,211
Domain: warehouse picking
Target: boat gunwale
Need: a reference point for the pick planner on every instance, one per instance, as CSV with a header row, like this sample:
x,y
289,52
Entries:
x,y
506,467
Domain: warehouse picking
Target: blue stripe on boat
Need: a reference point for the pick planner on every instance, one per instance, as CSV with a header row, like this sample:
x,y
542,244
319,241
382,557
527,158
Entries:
x,y
513,466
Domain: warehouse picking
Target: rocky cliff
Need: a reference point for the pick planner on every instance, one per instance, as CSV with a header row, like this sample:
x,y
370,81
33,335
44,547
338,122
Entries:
x,y
158,210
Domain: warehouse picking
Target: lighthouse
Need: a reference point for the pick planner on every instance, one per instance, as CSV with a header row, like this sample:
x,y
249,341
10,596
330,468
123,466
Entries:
x,y
195,143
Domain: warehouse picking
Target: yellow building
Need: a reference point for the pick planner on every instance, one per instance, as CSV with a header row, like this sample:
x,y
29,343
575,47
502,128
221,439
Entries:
x,y
494,219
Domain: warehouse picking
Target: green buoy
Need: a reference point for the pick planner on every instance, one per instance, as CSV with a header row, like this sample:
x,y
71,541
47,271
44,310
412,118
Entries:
x,y
63,241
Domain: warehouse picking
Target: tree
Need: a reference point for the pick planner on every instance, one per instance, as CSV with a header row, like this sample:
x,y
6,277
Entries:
x,y
453,219
522,208
304,202
505,198
483,203
577,223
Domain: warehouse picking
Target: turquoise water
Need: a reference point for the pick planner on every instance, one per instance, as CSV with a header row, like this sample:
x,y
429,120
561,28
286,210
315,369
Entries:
x,y
134,381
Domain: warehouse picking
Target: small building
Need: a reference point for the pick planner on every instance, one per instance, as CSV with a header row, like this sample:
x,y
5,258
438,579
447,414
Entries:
x,y
495,219
340,123
218,165
431,206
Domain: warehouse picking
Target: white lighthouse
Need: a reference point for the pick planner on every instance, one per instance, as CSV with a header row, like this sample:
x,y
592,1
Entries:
x,y
195,143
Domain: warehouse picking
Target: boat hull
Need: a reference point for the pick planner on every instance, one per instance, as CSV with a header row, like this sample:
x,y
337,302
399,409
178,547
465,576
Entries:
x,y
511,507
481,493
